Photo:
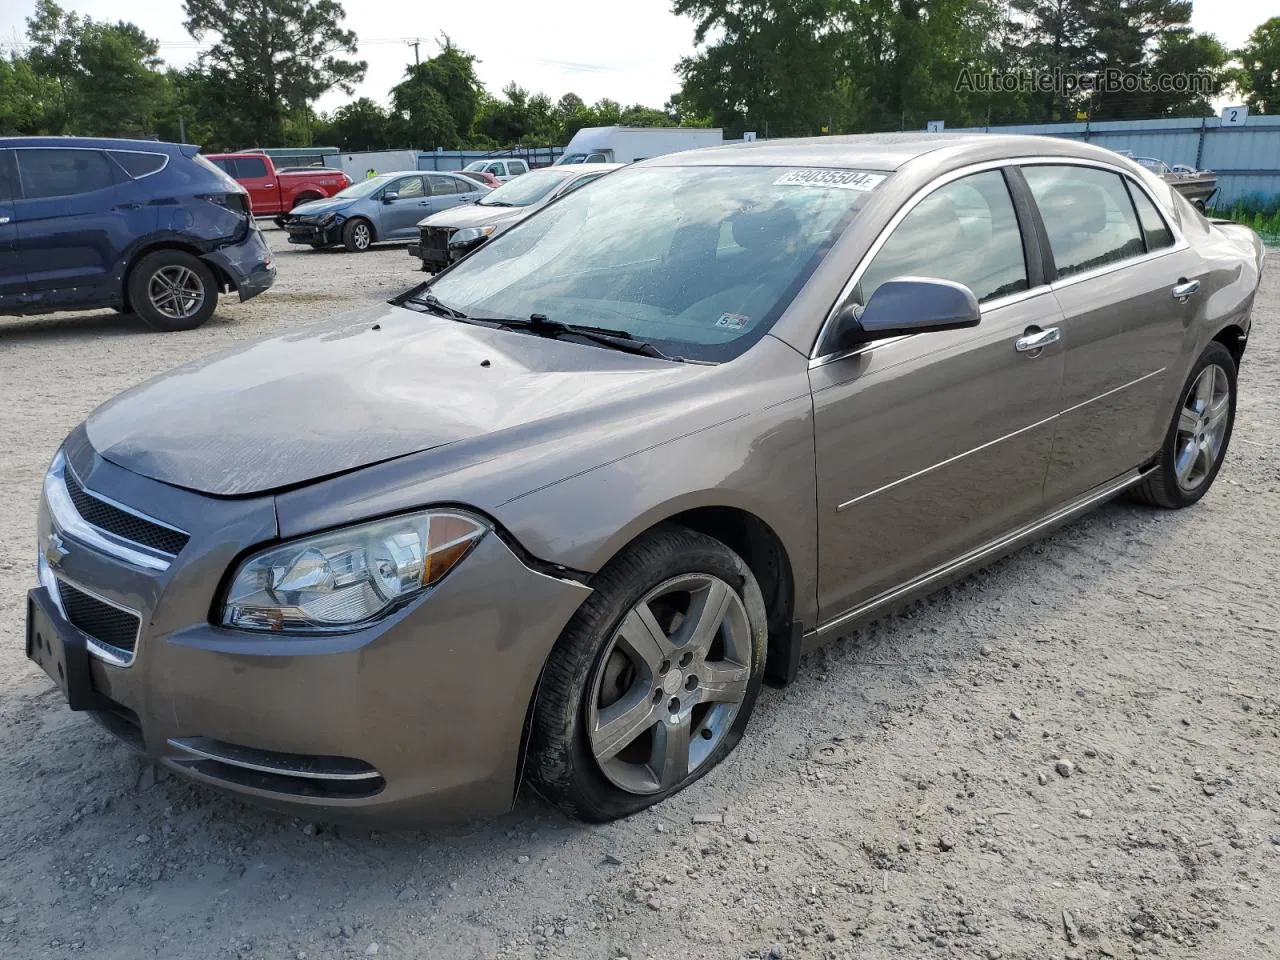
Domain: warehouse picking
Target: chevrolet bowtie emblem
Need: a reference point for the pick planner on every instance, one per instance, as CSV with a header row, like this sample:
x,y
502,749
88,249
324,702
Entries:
x,y
54,550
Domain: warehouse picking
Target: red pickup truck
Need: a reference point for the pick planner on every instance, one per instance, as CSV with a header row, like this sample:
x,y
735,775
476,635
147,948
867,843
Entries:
x,y
274,192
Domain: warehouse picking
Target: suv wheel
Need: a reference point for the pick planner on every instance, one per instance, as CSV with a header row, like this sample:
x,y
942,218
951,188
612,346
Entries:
x,y
171,290
653,680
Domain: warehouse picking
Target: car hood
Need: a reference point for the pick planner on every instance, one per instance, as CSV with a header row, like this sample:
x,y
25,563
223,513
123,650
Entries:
x,y
473,215
315,208
377,385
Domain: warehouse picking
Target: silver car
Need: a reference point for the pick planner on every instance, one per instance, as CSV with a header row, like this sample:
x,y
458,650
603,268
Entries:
x,y
450,235
385,207
556,513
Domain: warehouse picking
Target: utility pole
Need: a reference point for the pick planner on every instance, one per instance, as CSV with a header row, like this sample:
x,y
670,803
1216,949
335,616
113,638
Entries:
x,y
414,43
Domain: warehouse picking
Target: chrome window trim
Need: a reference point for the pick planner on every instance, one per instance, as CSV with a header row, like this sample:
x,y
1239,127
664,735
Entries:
x,y
1180,242
143,153
66,519
104,651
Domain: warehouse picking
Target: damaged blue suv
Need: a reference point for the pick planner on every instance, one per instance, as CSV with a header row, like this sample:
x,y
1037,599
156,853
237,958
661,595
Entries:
x,y
142,227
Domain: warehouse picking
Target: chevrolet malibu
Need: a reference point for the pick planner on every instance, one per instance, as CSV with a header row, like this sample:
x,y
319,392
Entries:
x,y
555,515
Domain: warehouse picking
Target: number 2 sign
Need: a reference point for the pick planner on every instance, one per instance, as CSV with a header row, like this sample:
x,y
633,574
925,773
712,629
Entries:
x,y
1234,116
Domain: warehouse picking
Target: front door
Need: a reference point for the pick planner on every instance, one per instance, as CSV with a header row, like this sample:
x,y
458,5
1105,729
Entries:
x,y
1119,276
264,191
71,231
399,217
931,445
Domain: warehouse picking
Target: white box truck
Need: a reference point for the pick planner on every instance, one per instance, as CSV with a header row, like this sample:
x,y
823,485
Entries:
x,y
628,144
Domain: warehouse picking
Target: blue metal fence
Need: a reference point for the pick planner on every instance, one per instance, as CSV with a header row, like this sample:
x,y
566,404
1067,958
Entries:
x,y
1246,158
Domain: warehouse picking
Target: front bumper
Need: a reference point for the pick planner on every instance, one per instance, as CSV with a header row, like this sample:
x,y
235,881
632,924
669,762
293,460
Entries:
x,y
249,263
302,231
417,718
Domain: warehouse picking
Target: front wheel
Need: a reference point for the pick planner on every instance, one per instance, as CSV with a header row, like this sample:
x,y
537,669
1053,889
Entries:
x,y
172,290
653,680
357,235
1197,439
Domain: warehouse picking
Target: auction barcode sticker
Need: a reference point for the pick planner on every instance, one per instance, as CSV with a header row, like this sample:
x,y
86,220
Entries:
x,y
840,179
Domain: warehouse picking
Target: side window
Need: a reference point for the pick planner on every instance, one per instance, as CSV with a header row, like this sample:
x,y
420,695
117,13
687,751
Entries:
x,y
1154,229
250,168
1087,214
138,165
63,173
443,186
226,166
517,167
497,169
409,187
597,158
965,231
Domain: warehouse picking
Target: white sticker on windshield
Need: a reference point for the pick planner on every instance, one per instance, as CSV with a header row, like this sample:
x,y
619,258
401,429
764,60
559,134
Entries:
x,y
840,179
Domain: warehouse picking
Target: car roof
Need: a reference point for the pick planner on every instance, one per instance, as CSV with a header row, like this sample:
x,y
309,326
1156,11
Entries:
x,y
100,143
880,151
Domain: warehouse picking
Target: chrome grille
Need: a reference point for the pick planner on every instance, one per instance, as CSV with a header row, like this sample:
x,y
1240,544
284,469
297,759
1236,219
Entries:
x,y
108,624
122,523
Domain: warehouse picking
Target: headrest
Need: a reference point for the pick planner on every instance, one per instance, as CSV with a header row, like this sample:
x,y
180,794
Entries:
x,y
1077,208
764,229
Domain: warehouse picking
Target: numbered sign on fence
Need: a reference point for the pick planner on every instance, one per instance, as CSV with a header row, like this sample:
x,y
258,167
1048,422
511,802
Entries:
x,y
1234,116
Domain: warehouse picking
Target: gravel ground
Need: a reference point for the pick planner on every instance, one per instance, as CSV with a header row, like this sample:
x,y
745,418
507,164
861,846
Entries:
x,y
1072,754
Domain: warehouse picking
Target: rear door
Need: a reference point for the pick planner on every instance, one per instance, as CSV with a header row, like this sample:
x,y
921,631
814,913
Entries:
x,y
13,278
446,192
1123,323
932,445
258,178
399,217
72,231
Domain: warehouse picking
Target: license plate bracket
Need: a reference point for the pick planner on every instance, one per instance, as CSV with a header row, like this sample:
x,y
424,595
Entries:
x,y
63,654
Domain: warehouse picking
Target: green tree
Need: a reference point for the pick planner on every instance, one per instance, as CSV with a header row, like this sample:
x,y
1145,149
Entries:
x,y
271,61
27,100
359,125
439,99
1260,67
106,78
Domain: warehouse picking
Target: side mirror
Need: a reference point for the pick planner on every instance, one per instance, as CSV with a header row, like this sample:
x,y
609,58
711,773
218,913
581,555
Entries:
x,y
907,305
390,196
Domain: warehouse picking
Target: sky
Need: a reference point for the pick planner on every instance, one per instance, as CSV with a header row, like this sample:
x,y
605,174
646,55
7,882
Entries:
x,y
625,51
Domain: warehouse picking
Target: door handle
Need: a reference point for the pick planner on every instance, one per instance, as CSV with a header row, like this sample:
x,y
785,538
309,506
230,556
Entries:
x,y
268,184
1033,341
1183,290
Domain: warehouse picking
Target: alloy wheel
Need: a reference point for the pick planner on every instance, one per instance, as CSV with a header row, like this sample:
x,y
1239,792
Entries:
x,y
176,292
361,236
1202,427
671,682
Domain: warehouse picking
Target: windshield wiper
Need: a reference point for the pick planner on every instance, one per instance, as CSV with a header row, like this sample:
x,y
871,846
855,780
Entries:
x,y
539,325
494,203
435,305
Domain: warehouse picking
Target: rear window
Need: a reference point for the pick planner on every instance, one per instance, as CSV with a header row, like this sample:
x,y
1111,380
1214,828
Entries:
x,y
62,172
137,164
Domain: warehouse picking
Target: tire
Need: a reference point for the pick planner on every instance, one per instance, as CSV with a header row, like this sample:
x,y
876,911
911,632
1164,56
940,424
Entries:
x,y
357,235
594,668
1176,481
172,290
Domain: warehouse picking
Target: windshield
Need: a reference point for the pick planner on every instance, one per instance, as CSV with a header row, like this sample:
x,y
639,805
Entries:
x,y
366,188
526,189
698,261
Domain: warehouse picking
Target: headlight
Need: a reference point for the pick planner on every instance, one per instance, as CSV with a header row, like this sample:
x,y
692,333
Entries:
x,y
342,580
328,218
470,235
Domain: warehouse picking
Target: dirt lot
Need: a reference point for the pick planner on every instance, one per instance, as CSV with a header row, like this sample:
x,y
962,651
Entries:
x,y
909,796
